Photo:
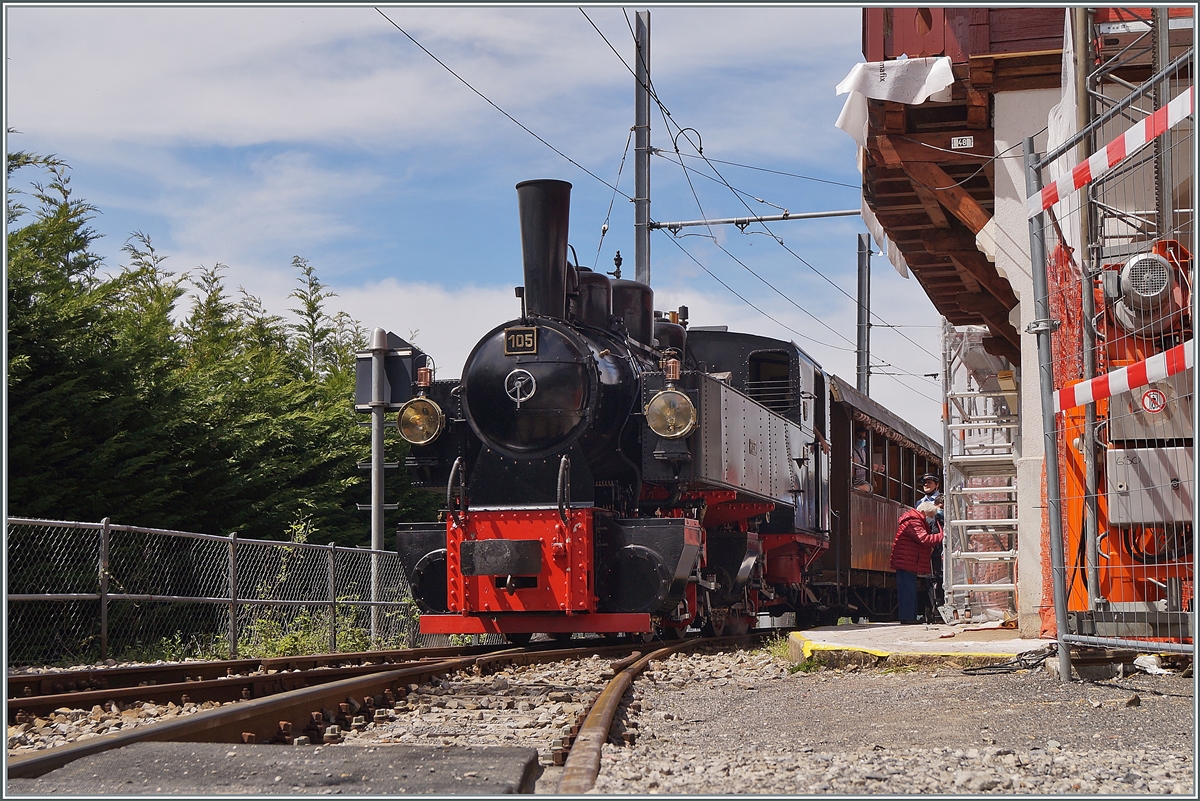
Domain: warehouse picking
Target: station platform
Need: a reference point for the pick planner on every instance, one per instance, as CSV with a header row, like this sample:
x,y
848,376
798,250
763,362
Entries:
x,y
866,644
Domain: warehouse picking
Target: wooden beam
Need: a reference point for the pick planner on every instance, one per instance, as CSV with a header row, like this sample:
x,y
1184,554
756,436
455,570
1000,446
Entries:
x,y
944,241
982,303
956,199
887,152
978,111
893,117
970,281
934,209
993,312
983,271
999,346
936,147
959,246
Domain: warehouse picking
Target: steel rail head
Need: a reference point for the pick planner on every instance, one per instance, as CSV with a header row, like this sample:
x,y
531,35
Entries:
x,y
209,726
259,716
583,764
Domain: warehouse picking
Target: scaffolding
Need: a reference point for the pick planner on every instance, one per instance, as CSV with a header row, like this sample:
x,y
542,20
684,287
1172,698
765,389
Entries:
x,y
980,547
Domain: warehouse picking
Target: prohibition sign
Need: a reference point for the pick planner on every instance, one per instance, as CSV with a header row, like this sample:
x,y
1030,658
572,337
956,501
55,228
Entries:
x,y
1154,401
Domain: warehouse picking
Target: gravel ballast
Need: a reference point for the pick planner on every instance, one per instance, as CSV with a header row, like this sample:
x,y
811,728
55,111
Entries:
x,y
742,722
736,724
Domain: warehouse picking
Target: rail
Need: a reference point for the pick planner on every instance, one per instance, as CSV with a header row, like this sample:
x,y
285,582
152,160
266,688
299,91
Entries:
x,y
271,719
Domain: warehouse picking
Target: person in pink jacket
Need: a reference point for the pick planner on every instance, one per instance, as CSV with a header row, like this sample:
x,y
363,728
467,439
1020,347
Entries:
x,y
916,536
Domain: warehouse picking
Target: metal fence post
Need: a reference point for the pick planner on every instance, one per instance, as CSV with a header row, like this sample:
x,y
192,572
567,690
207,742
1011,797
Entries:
x,y
1042,326
379,349
331,561
233,596
104,534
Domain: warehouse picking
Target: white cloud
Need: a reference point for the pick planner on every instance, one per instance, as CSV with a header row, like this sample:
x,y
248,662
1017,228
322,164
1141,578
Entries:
x,y
237,75
447,322
248,134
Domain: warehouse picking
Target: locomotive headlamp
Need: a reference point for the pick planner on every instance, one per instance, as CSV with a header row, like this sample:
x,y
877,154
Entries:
x,y
671,414
420,421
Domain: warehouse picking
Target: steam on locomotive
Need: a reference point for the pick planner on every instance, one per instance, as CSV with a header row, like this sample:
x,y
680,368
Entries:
x,y
608,469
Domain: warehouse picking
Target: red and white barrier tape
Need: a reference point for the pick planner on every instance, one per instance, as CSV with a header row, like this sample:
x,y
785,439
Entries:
x,y
1115,152
1156,368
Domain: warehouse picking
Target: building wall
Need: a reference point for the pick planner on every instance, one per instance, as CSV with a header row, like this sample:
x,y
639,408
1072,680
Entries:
x,y
1017,115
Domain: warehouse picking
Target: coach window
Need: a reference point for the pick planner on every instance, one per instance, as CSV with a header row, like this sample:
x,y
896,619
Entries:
x,y
879,464
910,477
860,460
894,463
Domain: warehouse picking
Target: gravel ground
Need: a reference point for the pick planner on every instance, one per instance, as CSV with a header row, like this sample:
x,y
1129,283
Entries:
x,y
69,724
738,722
733,724
532,705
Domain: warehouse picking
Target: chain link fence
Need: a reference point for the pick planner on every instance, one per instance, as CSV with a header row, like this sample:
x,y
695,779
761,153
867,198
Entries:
x,y
1112,238
81,591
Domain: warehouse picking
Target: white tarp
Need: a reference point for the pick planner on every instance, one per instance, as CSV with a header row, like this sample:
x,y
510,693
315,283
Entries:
x,y
906,80
1062,122
886,245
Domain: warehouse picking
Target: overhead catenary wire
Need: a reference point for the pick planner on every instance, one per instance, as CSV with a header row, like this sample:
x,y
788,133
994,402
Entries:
x,y
488,100
801,259
616,190
783,325
608,215
855,187
745,300
962,181
668,120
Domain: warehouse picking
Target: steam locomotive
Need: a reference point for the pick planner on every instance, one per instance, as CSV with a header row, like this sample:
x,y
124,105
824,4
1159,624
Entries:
x,y
608,469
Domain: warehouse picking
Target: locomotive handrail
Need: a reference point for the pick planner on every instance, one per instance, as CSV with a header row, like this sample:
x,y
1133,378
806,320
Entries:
x,y
564,483
456,470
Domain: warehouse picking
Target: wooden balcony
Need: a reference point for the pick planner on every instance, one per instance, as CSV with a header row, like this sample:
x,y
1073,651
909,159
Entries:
x,y
928,174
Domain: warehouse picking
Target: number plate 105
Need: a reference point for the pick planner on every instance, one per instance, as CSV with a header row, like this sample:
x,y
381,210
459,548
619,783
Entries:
x,y
520,341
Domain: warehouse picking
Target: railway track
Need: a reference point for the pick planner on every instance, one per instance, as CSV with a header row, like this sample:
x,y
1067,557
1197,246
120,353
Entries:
x,y
370,692
198,682
27,683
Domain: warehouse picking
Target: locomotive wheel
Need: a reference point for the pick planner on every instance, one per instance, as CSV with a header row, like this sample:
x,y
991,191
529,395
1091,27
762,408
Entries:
x,y
640,636
737,626
519,640
714,626
672,632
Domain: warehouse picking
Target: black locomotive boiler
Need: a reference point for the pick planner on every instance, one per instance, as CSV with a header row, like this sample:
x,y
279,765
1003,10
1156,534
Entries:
x,y
607,469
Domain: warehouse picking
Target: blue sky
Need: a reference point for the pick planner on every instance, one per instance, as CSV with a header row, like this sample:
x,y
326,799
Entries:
x,y
248,135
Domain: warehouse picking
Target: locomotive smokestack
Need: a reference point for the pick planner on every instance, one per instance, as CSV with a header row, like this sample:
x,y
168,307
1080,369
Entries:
x,y
545,207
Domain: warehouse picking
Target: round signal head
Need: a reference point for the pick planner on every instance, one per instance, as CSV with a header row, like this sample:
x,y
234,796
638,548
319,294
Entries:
x,y
671,414
420,421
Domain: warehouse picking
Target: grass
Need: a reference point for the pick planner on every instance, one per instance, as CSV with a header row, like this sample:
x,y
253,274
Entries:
x,y
807,666
900,669
175,648
777,647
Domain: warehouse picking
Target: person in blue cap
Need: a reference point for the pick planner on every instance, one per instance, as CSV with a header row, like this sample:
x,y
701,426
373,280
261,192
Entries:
x,y
931,486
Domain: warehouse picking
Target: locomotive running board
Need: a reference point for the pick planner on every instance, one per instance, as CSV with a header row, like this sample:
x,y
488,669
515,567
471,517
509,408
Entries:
x,y
534,624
